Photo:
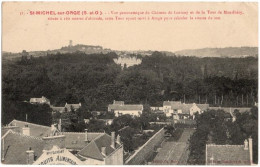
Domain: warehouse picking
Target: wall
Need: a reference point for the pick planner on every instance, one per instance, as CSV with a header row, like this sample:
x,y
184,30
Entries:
x,y
145,151
130,112
90,161
116,158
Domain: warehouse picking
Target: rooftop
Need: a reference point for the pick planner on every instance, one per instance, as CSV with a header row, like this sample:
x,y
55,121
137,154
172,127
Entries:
x,y
76,140
39,100
125,107
93,149
15,147
35,129
227,155
74,106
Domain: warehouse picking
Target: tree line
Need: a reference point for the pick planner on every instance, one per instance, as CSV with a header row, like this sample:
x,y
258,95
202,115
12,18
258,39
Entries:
x,y
217,127
95,80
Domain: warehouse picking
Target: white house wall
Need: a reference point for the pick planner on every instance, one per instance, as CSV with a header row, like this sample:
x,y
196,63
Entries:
x,y
130,112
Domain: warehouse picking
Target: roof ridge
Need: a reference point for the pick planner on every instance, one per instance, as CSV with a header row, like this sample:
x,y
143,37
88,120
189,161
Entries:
x,y
6,133
225,145
84,132
98,137
32,137
92,141
30,123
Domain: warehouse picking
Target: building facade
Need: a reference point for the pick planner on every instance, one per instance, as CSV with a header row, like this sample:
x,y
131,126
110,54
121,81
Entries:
x,y
27,143
119,108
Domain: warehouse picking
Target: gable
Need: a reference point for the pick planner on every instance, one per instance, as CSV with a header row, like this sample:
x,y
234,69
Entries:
x,y
57,156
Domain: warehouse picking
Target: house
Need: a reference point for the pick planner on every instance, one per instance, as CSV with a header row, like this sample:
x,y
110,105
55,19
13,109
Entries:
x,y
27,143
57,156
66,108
179,110
198,108
128,61
24,148
123,109
131,109
69,107
75,141
230,154
14,147
103,150
113,106
26,128
156,109
42,100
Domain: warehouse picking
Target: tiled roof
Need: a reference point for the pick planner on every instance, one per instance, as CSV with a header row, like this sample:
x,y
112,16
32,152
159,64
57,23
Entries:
x,y
76,140
13,128
184,107
227,155
125,107
93,149
15,147
35,129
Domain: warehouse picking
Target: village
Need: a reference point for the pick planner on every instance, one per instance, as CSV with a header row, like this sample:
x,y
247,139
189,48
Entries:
x,y
166,142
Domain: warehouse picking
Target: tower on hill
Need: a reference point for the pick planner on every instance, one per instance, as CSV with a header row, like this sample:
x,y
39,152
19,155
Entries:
x,y
70,43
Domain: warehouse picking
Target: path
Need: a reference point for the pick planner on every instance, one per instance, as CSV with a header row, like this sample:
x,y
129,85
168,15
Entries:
x,y
174,153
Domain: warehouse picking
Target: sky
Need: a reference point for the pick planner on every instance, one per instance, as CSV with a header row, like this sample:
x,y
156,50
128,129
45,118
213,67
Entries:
x,y
36,33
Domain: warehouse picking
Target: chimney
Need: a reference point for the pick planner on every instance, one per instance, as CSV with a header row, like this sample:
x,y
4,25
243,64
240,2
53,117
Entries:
x,y
80,104
114,101
103,150
251,149
86,135
53,130
30,156
245,144
118,140
26,130
113,139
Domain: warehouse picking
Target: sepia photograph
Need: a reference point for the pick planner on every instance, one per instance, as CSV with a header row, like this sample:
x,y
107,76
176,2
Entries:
x,y
129,83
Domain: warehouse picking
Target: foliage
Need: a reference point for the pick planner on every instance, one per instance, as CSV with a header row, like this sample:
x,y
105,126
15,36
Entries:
x,y
38,114
217,127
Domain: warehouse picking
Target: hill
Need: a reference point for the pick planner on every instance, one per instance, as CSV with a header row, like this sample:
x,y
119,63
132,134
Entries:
x,y
221,52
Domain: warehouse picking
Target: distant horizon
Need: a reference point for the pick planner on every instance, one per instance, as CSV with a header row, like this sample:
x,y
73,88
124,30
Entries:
x,y
133,50
37,33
